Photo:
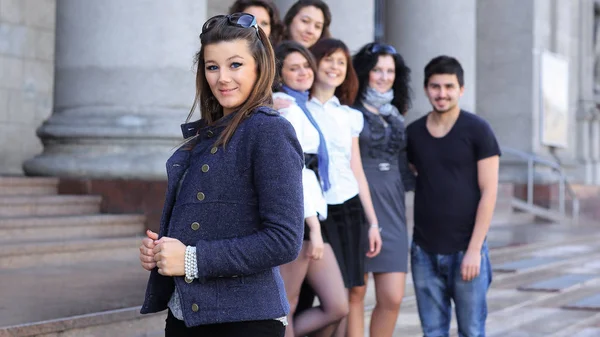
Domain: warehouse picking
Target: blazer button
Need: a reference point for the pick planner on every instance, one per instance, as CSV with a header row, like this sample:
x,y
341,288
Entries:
x,y
205,168
195,226
195,307
188,280
209,133
200,196
214,150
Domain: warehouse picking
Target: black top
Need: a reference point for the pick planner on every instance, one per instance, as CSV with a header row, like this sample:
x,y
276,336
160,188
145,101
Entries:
x,y
385,144
447,192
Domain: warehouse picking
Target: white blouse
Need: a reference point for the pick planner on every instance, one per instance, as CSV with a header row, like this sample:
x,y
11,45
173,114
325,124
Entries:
x,y
308,136
339,124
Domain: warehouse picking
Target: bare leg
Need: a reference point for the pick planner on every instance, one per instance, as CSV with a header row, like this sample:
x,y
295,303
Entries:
x,y
326,279
389,291
356,317
293,274
337,329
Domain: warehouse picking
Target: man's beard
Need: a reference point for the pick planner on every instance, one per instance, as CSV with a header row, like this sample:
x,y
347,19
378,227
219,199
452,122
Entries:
x,y
445,110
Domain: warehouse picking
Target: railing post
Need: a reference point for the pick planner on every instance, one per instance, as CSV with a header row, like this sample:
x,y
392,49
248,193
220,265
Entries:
x,y
530,181
561,195
575,209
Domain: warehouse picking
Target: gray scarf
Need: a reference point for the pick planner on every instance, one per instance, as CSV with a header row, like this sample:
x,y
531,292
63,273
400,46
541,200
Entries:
x,y
382,102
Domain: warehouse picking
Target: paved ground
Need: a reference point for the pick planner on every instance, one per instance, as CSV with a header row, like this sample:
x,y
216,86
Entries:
x,y
540,252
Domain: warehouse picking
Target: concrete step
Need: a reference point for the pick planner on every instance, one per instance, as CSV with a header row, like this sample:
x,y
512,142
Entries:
x,y
126,322
28,186
34,294
589,327
69,227
534,322
48,205
57,253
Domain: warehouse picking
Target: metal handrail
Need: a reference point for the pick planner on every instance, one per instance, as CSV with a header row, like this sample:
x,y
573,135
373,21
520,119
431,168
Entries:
x,y
564,187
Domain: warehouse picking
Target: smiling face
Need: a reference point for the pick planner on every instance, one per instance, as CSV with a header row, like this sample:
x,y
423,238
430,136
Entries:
x,y
332,69
443,91
307,26
296,72
230,71
262,18
382,76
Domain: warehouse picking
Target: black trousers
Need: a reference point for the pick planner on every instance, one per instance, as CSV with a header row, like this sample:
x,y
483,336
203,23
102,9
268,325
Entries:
x,y
266,328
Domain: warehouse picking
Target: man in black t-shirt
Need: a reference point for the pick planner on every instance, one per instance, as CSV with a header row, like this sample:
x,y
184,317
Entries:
x,y
455,156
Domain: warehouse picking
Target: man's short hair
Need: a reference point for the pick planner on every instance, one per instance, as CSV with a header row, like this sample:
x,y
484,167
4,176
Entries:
x,y
444,65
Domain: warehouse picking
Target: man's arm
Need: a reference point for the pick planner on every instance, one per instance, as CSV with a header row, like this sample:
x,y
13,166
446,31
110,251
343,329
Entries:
x,y
487,176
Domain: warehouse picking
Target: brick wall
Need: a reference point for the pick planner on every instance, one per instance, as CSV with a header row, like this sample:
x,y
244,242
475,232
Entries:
x,y
26,77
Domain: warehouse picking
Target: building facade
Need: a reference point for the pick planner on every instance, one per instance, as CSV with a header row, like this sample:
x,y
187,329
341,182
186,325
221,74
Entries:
x,y
96,89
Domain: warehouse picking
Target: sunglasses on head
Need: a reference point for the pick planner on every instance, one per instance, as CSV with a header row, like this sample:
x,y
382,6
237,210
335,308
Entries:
x,y
242,20
377,48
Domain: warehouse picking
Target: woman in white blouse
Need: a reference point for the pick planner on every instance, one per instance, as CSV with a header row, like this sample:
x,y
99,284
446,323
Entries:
x,y
316,262
351,225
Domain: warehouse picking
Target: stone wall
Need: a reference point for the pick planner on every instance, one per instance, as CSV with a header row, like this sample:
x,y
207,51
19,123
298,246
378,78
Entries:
x,y
26,78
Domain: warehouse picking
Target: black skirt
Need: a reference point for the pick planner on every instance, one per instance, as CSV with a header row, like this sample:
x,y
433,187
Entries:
x,y
346,230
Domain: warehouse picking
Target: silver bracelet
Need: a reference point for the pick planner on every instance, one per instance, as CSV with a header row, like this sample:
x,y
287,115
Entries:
x,y
191,266
375,225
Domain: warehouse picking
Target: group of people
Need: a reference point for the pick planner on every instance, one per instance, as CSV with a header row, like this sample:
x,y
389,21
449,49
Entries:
x,y
292,184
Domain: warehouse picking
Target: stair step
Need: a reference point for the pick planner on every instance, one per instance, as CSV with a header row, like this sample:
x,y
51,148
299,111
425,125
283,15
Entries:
x,y
28,185
69,227
126,322
34,294
56,253
48,205
533,322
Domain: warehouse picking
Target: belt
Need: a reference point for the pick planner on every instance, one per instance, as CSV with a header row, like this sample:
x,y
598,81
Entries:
x,y
383,166
312,163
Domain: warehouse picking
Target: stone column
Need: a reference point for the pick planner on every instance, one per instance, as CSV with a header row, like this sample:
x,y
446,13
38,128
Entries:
x,y
423,29
587,143
217,7
124,82
353,21
507,79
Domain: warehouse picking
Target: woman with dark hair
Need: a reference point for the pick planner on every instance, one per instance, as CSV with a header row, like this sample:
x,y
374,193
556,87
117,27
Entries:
x,y
351,235
266,14
307,22
233,210
383,98
317,263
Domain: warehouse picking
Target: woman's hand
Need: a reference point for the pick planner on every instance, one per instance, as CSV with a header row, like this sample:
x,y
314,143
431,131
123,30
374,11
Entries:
x,y
374,242
281,103
146,253
315,246
169,255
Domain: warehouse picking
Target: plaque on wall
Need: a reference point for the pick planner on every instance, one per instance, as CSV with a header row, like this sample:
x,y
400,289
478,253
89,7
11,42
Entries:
x,y
554,105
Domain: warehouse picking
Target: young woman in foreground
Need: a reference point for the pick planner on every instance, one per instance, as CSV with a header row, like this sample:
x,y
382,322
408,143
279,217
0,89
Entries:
x,y
234,209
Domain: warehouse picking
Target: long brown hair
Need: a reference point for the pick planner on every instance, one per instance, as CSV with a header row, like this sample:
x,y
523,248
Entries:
x,y
295,9
347,91
271,8
261,95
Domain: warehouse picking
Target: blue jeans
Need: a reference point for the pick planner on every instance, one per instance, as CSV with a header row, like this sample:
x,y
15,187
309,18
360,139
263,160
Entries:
x,y
437,280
